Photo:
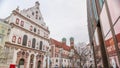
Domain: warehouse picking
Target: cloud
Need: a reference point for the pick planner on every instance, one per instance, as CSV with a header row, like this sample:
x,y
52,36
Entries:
x,y
65,18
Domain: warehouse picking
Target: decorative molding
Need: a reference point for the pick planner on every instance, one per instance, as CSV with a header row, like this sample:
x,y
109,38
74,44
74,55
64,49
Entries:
x,y
8,44
17,13
29,31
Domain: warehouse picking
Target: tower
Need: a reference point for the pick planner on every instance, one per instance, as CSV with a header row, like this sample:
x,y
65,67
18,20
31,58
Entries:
x,y
64,40
71,42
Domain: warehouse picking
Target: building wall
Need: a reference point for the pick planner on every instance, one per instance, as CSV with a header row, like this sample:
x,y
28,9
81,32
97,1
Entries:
x,y
28,38
4,27
109,15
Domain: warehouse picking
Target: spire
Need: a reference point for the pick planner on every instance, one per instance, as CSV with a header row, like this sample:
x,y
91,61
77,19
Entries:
x,y
64,40
37,4
17,8
71,41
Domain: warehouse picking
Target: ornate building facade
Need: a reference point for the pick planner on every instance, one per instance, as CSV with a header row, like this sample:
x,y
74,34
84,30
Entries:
x,y
28,39
63,55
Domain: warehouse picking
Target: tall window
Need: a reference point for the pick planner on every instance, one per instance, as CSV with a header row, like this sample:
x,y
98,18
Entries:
x,y
33,42
41,43
56,60
24,40
101,3
94,9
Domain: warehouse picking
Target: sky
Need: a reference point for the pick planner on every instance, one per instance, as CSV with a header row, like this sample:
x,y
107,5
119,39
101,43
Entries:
x,y
65,18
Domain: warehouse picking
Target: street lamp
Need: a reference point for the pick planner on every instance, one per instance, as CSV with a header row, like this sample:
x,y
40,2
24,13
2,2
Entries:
x,y
61,49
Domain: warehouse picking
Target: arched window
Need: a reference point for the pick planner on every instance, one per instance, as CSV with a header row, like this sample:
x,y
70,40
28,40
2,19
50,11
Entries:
x,y
21,62
17,21
24,40
41,43
22,23
19,40
14,39
33,42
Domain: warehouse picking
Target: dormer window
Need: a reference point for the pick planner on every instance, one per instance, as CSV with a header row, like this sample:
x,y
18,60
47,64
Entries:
x,y
36,16
39,18
36,12
33,13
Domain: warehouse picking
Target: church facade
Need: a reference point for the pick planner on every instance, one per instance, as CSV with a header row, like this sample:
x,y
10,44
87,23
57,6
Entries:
x,y
28,39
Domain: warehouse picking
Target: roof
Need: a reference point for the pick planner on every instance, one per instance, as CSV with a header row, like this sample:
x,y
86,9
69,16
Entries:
x,y
60,44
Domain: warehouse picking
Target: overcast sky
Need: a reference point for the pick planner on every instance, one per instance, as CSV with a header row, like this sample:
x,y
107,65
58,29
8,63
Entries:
x,y
65,18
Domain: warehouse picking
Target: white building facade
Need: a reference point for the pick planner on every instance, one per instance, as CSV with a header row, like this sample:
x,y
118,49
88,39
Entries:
x,y
28,39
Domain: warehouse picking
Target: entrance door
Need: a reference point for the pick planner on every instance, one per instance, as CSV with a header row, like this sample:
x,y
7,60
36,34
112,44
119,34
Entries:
x,y
21,63
39,64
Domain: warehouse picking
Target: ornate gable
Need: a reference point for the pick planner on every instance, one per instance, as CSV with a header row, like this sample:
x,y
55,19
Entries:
x,y
34,13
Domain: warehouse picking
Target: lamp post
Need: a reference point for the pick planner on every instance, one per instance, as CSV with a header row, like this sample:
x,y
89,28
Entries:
x,y
61,49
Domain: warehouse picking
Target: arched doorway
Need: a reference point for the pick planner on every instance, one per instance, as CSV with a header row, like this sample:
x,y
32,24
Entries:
x,y
21,63
39,64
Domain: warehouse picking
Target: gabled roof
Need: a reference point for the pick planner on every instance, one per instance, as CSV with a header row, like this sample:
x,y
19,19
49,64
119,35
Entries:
x,y
60,44
33,13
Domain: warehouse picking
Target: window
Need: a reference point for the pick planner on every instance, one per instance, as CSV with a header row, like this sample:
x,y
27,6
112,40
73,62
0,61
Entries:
x,y
36,16
39,18
24,40
33,42
94,9
33,13
29,43
22,23
38,31
31,28
19,40
41,43
101,3
36,12
21,62
104,21
14,39
17,21
56,60
34,29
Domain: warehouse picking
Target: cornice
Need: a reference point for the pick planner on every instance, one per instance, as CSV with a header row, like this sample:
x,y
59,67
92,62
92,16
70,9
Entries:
x,y
17,13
